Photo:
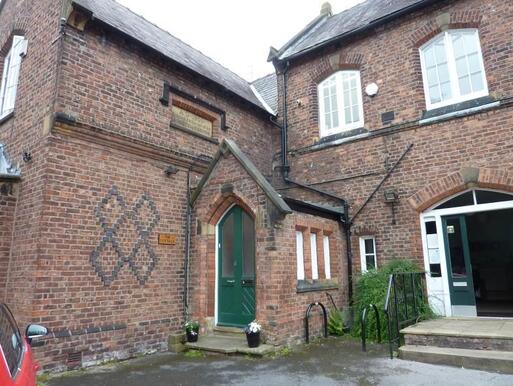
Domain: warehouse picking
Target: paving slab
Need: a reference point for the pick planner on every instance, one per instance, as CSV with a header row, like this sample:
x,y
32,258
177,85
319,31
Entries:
x,y
228,344
328,362
468,327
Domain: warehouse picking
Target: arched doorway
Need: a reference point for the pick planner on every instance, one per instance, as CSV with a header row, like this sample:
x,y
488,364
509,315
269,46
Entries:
x,y
468,250
235,268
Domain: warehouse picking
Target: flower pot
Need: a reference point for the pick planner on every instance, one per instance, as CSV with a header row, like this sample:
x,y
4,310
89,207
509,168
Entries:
x,y
192,336
253,339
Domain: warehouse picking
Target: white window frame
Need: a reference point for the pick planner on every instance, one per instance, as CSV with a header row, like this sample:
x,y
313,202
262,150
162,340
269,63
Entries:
x,y
313,255
11,75
327,256
364,254
453,75
342,126
300,258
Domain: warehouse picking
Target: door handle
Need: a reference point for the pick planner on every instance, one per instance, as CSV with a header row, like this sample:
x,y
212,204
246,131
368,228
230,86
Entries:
x,y
230,281
247,282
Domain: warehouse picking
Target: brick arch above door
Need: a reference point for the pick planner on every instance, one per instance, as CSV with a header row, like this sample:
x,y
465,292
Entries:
x,y
453,183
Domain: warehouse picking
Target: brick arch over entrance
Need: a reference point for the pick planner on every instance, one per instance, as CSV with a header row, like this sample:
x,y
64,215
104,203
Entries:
x,y
456,182
223,203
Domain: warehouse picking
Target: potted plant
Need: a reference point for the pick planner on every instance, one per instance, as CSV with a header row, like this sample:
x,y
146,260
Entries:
x,y
252,331
192,330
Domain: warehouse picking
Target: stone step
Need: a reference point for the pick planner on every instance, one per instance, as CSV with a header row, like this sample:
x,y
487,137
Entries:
x,y
487,360
463,341
228,331
228,345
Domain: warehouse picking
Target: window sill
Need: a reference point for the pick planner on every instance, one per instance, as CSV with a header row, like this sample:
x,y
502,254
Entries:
x,y
316,285
458,109
6,117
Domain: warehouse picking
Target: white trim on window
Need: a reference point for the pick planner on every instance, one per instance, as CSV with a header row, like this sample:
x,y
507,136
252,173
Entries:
x,y
340,103
10,75
313,254
300,256
364,253
327,257
444,65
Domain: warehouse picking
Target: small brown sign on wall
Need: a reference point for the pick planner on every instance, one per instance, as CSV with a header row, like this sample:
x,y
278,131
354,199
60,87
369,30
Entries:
x,y
189,121
167,239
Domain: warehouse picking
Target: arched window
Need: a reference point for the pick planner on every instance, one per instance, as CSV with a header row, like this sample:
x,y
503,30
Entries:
x,y
452,68
475,197
10,75
340,103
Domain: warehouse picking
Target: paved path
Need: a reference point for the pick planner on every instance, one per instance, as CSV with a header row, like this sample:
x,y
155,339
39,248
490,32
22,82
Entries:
x,y
335,362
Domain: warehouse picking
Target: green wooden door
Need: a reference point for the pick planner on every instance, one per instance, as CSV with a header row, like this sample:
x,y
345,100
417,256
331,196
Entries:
x,y
236,269
459,266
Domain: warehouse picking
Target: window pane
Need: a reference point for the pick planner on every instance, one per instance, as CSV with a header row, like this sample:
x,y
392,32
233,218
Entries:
x,y
445,88
356,114
465,87
10,341
369,245
248,246
434,93
443,73
227,246
299,256
468,62
313,251
461,200
488,197
477,82
370,260
431,227
456,249
327,257
473,63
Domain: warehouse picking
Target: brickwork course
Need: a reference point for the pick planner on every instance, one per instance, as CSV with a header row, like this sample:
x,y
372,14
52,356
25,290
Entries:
x,y
79,249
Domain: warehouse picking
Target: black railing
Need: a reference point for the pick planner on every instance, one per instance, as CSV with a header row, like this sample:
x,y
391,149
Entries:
x,y
363,321
404,304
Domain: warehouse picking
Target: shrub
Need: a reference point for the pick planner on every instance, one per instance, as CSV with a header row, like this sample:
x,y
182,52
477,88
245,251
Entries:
x,y
371,288
336,323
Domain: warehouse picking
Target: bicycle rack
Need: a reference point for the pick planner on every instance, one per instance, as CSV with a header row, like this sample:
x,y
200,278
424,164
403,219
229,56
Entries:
x,y
363,325
307,316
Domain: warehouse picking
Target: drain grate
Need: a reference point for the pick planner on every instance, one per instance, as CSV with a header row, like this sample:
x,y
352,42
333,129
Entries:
x,y
74,360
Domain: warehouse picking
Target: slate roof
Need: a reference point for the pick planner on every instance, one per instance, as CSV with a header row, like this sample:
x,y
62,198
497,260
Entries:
x,y
325,28
124,20
229,146
267,87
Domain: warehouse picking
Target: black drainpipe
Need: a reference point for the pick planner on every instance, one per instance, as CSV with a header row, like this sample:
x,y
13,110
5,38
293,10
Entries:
x,y
187,246
346,223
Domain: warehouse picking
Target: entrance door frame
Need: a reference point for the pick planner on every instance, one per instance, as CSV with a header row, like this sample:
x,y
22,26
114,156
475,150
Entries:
x,y
217,246
436,215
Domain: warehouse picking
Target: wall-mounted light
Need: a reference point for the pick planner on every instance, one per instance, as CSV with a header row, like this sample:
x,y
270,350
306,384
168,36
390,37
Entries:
x,y
171,170
391,197
371,89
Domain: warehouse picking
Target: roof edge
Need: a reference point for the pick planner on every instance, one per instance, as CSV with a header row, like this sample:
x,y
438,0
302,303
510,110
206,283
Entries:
x,y
375,23
262,100
230,146
275,54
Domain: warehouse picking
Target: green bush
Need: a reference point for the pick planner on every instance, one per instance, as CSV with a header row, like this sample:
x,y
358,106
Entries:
x,y
371,288
336,323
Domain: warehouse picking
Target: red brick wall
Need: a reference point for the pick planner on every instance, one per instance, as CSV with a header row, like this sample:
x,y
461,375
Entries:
x,y
389,56
279,307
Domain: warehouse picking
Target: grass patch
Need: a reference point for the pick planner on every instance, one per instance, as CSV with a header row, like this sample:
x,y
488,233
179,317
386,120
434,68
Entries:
x,y
194,354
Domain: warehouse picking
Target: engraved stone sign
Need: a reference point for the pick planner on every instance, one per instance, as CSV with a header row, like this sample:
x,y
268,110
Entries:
x,y
184,119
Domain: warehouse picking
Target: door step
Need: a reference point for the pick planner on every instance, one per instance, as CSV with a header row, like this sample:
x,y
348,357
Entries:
x,y
228,345
487,360
222,330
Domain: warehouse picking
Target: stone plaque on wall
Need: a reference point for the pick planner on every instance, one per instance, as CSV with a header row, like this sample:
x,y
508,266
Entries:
x,y
187,120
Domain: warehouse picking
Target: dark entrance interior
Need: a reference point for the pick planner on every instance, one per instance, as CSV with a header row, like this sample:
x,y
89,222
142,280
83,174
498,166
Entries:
x,y
490,236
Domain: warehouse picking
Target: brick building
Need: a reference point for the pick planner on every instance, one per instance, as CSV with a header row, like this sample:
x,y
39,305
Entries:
x,y
143,183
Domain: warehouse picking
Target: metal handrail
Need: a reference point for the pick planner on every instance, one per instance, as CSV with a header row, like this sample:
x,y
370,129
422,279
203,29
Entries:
x,y
401,306
364,326
307,316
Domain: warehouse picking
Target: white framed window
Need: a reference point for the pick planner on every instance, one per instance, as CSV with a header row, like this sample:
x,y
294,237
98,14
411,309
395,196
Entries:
x,y
368,254
327,257
10,75
340,103
453,68
300,256
313,255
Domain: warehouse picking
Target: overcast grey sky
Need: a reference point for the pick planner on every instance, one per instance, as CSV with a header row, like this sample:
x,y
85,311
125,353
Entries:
x,y
235,33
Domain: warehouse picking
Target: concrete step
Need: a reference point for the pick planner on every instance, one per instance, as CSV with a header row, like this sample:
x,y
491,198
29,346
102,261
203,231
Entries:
x,y
460,341
229,331
228,345
487,360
